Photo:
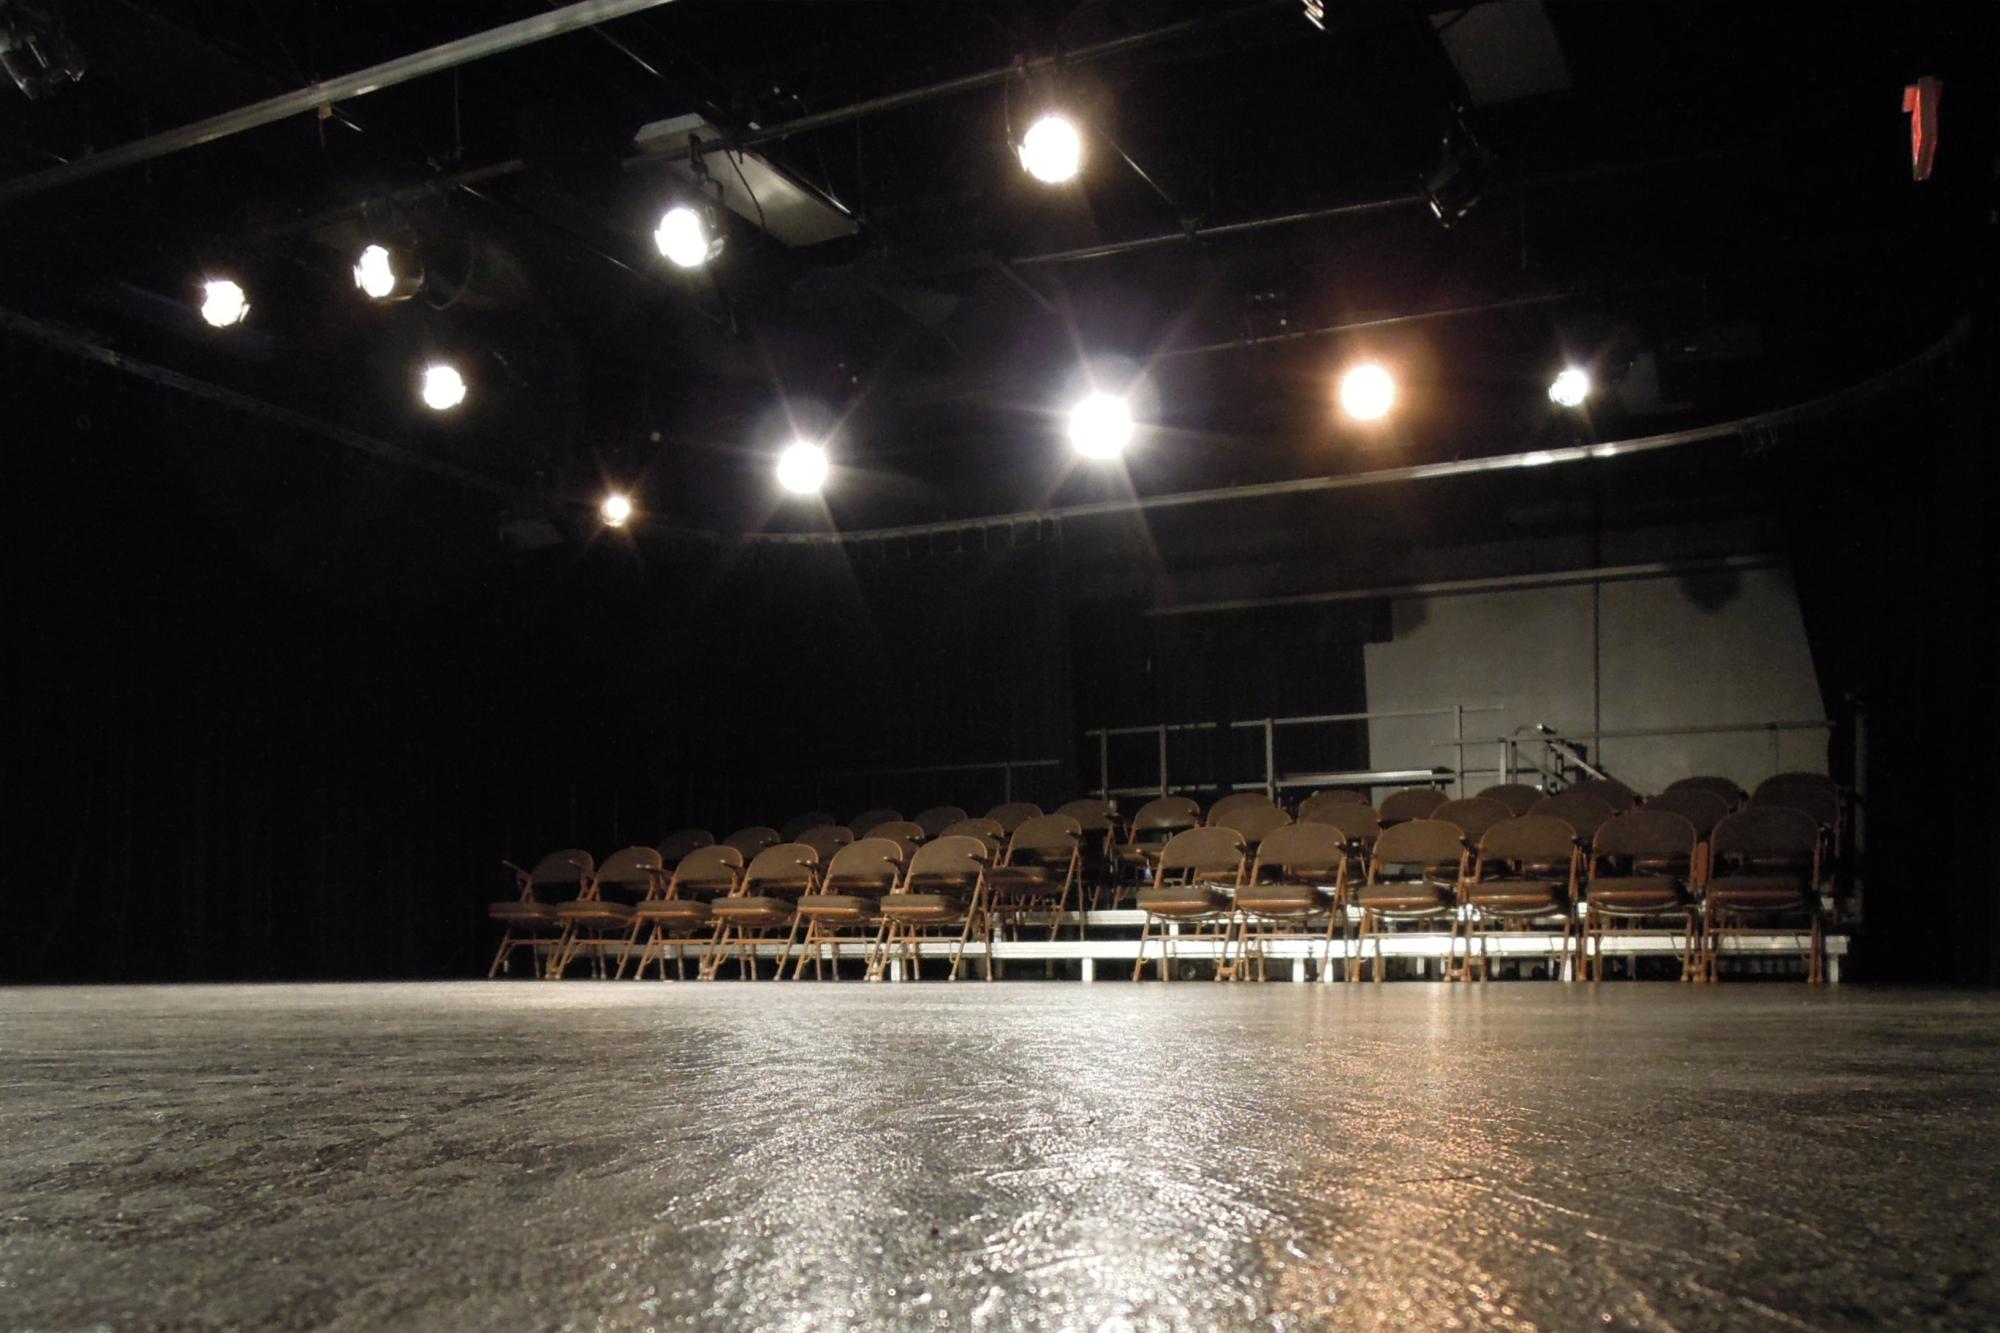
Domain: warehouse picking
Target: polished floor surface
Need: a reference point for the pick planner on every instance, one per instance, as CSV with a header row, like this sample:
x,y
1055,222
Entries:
x,y
633,1156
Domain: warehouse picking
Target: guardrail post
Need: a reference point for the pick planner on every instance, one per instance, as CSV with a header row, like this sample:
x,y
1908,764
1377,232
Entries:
x,y
1163,759
1271,758
1104,764
1458,734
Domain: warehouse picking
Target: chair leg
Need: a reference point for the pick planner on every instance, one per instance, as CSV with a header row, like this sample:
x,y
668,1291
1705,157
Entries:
x,y
500,958
1145,933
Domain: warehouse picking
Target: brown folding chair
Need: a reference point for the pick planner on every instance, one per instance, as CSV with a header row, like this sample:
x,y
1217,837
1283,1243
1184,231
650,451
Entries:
x,y
1473,815
1608,790
905,833
1410,803
849,900
1797,779
945,889
1300,873
1042,869
937,819
790,830
1310,807
826,839
1253,818
1725,788
1700,807
1813,796
1533,863
1518,797
1012,814
1414,874
1152,825
1099,821
1765,864
1237,800
1578,809
765,903
682,909
529,921
1192,878
591,918
682,841
986,830
1644,866
752,840
865,823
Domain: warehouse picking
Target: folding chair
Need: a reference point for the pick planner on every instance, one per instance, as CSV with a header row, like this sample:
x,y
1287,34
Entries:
x,y
1608,790
1042,869
1253,817
1155,822
1765,865
1813,796
849,900
765,903
1536,862
1578,809
1473,815
825,839
937,819
1234,801
530,920
1518,797
790,830
1321,800
1414,874
752,840
684,908
1012,814
944,889
905,833
865,823
987,831
1099,821
1797,779
590,918
682,841
1700,807
1644,865
1725,788
1192,878
1300,872
1410,803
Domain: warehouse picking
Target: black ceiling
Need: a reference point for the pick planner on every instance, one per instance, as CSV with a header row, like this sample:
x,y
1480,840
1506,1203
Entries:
x,y
1716,213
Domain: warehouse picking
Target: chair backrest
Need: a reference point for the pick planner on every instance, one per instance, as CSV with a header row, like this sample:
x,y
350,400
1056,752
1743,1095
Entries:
x,y
870,860
797,824
905,833
1202,851
1579,809
1821,803
1726,788
1236,800
632,868
682,841
1535,840
1418,842
1302,847
1699,806
1046,837
937,819
710,870
1473,815
1359,822
1253,819
1798,779
986,830
753,840
868,821
787,865
1012,814
1608,790
1411,803
950,855
1765,833
1340,795
1312,810
572,865
1091,815
1518,797
1645,835
1166,813
826,839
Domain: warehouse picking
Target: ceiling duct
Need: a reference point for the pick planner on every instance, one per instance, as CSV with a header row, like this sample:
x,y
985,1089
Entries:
x,y
751,186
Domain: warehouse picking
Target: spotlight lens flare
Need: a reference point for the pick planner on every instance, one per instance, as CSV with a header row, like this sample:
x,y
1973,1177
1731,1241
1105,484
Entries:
x,y
443,388
223,303
1100,426
683,238
616,510
1052,150
1367,392
802,467
1570,388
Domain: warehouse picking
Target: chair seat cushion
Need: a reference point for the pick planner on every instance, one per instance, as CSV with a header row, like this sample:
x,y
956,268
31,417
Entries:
x,y
1181,900
523,914
857,886
1018,877
838,907
1635,893
1279,898
920,908
597,913
753,911
1138,853
1514,895
1419,897
674,912
1754,893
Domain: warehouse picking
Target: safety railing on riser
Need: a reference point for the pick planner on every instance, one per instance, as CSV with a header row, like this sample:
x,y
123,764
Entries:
x,y
1560,753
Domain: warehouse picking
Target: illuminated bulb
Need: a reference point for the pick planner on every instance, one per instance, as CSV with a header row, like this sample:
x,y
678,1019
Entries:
x,y
223,303
1570,388
1052,150
1100,426
444,388
1367,392
615,510
802,467
684,239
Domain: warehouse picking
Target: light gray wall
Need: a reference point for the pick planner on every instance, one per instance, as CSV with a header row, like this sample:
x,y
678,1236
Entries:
x,y
1641,653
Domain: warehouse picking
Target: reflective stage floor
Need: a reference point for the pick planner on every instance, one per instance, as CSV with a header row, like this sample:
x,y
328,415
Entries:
x,y
631,1156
